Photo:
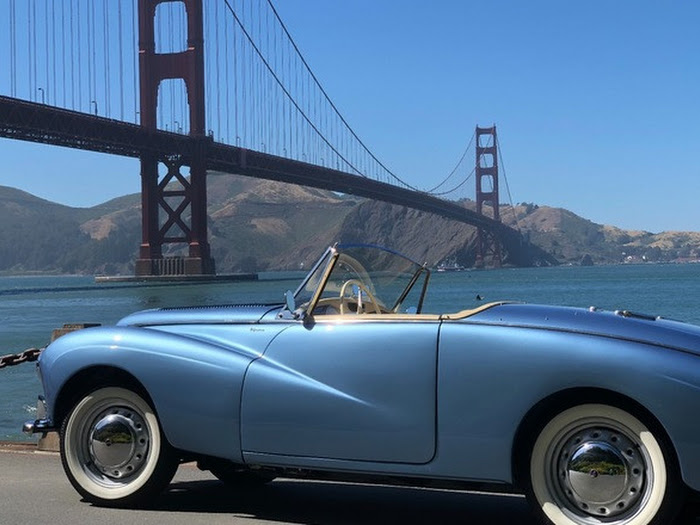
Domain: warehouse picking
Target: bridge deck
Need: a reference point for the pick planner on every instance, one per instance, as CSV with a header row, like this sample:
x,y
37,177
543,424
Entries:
x,y
34,122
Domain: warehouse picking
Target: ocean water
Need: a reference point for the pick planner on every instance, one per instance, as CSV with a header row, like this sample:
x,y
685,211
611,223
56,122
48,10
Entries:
x,y
31,307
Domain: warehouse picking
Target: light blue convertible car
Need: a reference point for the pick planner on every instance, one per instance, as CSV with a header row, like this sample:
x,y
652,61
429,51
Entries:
x,y
592,414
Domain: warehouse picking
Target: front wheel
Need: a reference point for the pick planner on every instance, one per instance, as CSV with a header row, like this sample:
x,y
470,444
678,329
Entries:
x,y
113,451
596,463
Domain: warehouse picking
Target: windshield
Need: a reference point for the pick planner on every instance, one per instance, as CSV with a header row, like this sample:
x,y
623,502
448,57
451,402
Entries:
x,y
371,278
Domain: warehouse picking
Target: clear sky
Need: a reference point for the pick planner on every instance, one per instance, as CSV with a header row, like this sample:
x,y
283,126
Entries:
x,y
597,103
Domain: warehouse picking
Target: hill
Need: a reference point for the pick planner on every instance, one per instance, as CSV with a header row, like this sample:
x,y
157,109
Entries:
x,y
574,240
259,225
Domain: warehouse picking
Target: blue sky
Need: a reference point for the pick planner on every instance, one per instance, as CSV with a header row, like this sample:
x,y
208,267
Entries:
x,y
596,102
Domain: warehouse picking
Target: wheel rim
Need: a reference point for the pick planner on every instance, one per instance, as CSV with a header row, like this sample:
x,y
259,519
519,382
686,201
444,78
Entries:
x,y
599,471
118,442
112,443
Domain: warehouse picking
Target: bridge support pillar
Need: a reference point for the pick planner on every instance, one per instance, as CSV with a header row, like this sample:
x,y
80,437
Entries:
x,y
174,212
150,250
199,260
488,247
174,207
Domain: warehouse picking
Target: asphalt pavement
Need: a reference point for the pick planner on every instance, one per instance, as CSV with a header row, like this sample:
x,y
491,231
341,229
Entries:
x,y
34,490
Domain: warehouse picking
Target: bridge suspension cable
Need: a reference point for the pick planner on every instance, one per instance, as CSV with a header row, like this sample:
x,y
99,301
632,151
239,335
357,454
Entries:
x,y
287,93
433,190
505,179
332,105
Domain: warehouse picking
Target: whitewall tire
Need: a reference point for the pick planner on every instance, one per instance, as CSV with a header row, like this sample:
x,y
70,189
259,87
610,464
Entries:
x,y
113,450
599,464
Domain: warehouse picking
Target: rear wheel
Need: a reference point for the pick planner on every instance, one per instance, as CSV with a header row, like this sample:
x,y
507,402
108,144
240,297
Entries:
x,y
596,463
113,450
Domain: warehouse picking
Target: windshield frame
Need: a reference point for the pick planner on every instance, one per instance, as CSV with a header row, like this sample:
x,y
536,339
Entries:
x,y
330,251
322,271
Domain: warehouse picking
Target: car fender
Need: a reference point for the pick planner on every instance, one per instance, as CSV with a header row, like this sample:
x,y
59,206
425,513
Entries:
x,y
194,384
490,377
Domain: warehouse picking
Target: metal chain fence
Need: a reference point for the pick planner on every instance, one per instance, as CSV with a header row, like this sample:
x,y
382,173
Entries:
x,y
30,354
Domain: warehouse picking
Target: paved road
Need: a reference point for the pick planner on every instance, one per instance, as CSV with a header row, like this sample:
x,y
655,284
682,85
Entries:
x,y
33,489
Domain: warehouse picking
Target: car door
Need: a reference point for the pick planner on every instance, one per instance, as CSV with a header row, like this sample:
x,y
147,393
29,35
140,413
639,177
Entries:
x,y
350,390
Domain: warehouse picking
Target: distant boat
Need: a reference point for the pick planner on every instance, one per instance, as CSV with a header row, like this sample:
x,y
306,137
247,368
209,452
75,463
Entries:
x,y
450,266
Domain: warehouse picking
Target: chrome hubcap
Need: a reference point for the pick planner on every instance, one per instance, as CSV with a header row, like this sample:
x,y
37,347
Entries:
x,y
118,442
601,472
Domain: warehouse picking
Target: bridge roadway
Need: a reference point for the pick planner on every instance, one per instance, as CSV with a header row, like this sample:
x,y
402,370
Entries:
x,y
40,123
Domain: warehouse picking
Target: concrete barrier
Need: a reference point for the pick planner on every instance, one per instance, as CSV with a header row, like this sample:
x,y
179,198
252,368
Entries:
x,y
49,442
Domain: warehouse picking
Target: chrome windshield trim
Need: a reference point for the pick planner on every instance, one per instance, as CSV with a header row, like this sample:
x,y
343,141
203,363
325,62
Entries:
x,y
315,267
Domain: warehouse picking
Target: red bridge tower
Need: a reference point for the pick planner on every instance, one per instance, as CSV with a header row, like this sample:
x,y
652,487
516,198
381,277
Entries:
x,y
174,208
488,247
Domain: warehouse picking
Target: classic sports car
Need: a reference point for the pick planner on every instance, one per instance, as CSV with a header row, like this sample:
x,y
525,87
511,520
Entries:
x,y
589,413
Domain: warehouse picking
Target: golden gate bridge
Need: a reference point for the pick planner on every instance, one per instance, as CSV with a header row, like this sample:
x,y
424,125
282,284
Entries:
x,y
190,86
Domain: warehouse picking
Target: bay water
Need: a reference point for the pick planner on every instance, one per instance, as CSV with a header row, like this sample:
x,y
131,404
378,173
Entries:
x,y
31,307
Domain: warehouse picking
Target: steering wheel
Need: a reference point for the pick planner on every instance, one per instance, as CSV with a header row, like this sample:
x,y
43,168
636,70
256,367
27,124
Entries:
x,y
362,289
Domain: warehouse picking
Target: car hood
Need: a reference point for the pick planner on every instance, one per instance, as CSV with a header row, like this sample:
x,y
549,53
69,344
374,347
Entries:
x,y
621,324
236,313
